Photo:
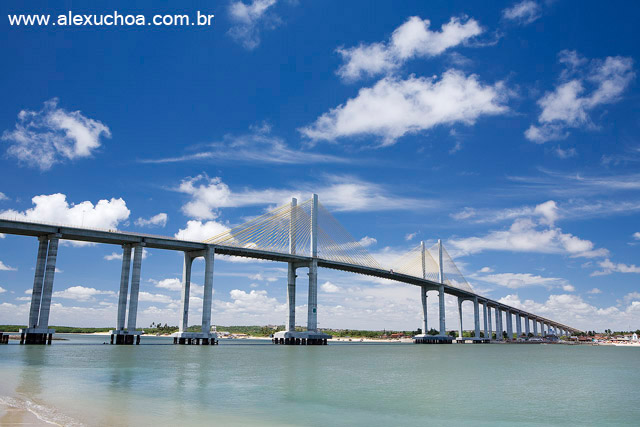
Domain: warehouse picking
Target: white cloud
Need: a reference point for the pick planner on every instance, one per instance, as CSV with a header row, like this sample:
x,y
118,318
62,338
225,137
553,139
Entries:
x,y
3,196
51,135
631,297
114,256
342,193
81,293
198,231
413,39
393,108
249,19
255,304
175,284
548,211
159,220
565,154
572,310
465,213
521,280
568,288
523,13
2,290
157,298
54,208
256,147
609,267
367,241
524,235
172,284
594,291
486,270
329,288
410,236
636,235
4,267
569,105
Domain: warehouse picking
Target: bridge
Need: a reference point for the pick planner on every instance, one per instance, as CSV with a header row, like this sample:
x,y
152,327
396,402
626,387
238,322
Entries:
x,y
302,235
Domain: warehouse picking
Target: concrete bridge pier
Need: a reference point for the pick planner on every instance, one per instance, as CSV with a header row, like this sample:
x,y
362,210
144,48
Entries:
x,y
460,329
535,327
38,331
476,318
509,325
128,335
489,321
476,324
205,336
423,298
518,325
526,326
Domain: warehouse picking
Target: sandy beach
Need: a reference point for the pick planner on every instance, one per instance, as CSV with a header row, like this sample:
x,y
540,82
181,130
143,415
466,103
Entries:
x,y
21,411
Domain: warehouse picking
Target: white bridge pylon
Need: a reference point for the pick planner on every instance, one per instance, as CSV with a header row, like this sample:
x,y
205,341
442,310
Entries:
x,y
423,262
289,229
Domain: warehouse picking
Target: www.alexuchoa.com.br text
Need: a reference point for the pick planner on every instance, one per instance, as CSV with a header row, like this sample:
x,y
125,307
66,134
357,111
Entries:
x,y
115,18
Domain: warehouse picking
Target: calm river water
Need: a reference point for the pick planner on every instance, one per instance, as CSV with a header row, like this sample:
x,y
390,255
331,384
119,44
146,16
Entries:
x,y
242,382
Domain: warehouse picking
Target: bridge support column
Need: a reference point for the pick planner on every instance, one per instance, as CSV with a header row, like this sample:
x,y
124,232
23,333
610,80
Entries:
x,y
486,321
476,317
443,328
526,326
291,297
460,330
312,315
509,325
535,327
120,333
518,325
47,289
207,298
423,297
135,290
124,287
498,324
441,312
37,331
36,295
205,336
186,290
489,321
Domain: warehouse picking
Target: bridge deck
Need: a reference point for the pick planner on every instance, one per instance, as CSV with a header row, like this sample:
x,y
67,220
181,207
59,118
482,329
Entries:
x,y
117,237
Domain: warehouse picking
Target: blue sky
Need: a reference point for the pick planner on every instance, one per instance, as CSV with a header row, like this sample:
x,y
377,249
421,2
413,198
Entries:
x,y
509,130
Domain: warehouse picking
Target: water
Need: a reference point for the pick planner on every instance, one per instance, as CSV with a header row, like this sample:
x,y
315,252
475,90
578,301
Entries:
x,y
245,382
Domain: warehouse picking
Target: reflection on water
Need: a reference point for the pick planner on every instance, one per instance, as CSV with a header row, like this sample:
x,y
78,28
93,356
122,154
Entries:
x,y
254,382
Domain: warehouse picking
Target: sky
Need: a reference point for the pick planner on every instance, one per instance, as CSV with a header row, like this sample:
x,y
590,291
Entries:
x,y
507,129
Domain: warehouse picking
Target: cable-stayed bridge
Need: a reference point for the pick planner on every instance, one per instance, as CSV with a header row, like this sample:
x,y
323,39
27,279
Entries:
x,y
303,235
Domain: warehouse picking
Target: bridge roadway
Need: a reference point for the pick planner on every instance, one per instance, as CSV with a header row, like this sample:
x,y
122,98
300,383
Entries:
x,y
117,237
